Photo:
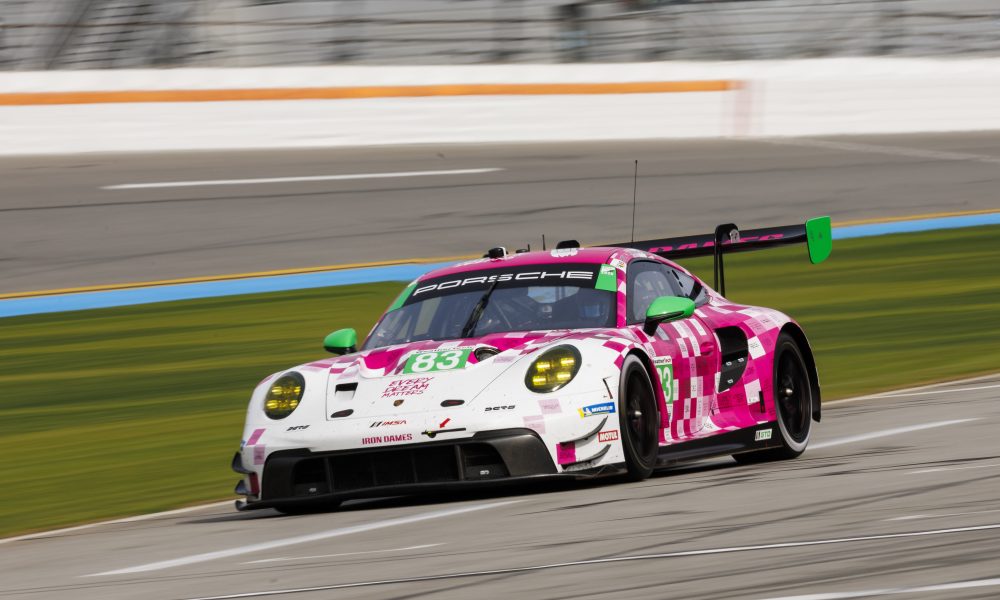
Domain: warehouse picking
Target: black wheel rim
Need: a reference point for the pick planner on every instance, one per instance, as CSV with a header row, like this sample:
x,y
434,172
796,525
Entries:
x,y
641,416
794,396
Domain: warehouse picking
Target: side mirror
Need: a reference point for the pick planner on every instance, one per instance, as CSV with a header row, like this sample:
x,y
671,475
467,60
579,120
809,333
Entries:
x,y
667,308
342,341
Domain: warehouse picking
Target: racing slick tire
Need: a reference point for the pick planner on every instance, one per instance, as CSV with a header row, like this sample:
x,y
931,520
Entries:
x,y
793,403
638,419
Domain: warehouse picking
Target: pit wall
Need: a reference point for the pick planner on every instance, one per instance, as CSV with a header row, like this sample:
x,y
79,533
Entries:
x,y
302,107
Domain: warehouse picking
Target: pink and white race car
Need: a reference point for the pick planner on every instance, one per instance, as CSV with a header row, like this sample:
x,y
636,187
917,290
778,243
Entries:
x,y
575,362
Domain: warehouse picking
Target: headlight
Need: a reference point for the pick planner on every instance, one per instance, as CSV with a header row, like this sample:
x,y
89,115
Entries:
x,y
283,396
553,369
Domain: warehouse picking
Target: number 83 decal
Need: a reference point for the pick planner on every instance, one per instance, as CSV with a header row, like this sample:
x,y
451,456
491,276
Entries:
x,y
437,360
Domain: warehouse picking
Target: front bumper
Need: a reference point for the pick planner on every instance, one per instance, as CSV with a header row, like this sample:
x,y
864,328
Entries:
x,y
487,458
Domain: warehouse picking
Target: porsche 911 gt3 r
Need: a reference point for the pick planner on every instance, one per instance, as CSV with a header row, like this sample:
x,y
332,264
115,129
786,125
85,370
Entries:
x,y
575,362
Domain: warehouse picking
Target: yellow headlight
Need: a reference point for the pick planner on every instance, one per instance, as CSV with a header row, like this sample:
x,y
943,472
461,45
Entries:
x,y
284,395
553,369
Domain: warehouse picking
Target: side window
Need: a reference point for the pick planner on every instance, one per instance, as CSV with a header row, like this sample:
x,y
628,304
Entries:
x,y
646,282
690,288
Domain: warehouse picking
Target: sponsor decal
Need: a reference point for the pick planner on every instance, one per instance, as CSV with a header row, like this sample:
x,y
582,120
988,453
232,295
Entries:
x,y
259,455
436,360
509,407
386,439
563,252
550,406
388,423
607,436
597,409
536,423
297,428
406,387
711,243
486,280
607,279
665,369
255,436
618,264
763,434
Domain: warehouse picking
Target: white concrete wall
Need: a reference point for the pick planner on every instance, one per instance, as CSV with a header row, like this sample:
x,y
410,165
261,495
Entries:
x,y
784,98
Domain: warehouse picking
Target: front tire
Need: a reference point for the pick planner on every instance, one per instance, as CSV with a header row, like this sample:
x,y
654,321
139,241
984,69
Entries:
x,y
793,403
638,419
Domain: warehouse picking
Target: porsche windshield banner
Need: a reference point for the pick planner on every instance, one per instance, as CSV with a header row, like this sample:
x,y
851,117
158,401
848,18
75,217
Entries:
x,y
578,275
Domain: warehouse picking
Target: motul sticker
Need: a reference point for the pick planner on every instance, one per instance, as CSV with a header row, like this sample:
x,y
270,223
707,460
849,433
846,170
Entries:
x,y
607,436
763,434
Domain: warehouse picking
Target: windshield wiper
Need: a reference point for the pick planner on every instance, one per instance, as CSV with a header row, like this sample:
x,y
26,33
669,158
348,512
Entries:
x,y
477,312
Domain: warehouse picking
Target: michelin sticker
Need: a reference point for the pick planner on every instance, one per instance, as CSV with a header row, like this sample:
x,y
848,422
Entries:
x,y
597,409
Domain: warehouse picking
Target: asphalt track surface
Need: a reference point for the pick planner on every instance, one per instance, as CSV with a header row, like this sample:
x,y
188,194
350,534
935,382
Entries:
x,y
61,227
896,496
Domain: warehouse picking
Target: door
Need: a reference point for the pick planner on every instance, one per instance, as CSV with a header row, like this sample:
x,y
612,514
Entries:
x,y
686,352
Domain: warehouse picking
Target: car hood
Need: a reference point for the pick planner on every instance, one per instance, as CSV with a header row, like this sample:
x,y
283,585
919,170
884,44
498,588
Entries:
x,y
381,383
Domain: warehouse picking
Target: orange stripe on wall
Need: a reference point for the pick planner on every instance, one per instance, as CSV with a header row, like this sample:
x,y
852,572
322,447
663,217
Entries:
x,y
338,93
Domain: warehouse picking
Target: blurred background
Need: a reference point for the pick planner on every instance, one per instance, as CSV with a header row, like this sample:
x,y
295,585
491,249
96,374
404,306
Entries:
x,y
193,193
103,34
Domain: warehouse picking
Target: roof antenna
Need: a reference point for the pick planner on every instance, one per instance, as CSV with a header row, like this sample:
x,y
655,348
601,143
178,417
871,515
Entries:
x,y
635,187
543,241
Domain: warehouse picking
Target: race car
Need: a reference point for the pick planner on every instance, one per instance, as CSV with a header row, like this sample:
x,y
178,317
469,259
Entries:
x,y
573,362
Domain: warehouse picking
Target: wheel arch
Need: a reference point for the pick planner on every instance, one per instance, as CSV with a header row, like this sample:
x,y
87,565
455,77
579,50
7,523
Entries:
x,y
654,378
796,333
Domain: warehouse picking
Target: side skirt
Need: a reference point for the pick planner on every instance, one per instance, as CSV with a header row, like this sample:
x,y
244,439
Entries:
x,y
751,439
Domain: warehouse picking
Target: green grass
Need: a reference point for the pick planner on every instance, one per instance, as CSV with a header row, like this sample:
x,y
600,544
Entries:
x,y
128,410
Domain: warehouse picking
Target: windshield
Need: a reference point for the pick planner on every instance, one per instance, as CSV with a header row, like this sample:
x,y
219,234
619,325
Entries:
x,y
501,300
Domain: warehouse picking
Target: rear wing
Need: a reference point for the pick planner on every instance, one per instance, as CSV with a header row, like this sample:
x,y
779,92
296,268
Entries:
x,y
727,239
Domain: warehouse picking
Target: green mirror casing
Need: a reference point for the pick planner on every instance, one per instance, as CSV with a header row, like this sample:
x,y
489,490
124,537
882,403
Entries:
x,y
667,308
342,341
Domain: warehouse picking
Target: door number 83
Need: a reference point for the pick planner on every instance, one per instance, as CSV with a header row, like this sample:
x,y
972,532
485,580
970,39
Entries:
x,y
436,360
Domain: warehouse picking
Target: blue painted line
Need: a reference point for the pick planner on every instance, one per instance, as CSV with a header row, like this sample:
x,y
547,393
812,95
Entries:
x,y
856,231
212,289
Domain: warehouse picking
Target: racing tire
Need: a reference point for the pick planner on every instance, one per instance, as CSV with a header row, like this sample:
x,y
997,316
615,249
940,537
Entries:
x,y
793,404
638,419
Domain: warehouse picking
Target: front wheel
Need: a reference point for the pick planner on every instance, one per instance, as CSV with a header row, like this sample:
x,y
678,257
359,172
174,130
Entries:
x,y
793,403
638,419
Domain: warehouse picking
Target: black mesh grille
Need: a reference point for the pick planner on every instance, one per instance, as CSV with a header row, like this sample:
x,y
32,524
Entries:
x,y
390,467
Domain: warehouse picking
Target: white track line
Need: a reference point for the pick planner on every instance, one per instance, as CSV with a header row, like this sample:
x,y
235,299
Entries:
x,y
910,389
147,517
287,558
947,391
944,587
942,515
886,432
602,561
229,502
300,539
962,468
343,177
879,149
